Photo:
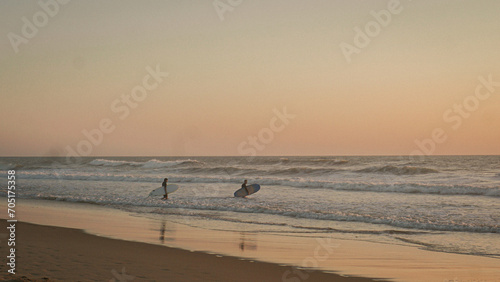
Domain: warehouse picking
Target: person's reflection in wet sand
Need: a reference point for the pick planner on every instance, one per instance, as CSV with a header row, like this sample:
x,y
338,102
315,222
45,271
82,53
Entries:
x,y
247,244
242,244
163,230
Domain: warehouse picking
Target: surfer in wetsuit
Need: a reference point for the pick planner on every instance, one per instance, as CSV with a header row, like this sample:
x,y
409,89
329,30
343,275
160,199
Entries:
x,y
244,185
164,185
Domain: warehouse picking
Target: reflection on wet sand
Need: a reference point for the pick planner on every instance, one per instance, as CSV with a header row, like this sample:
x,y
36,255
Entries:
x,y
170,231
248,241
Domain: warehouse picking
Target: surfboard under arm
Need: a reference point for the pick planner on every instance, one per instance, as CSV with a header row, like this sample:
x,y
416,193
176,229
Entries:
x,y
161,191
251,190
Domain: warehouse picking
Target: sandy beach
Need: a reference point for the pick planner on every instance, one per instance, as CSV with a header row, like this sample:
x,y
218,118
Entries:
x,y
232,140
80,242
64,254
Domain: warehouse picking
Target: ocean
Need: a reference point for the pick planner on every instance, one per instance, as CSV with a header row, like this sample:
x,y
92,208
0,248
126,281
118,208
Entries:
x,y
441,203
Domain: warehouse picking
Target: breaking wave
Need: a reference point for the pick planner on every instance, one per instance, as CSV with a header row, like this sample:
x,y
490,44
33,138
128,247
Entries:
x,y
409,188
148,164
405,170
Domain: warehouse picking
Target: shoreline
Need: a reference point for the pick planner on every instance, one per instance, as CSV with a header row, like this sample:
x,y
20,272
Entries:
x,y
342,257
68,254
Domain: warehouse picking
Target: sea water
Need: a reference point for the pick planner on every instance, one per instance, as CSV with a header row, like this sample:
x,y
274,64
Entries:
x,y
440,203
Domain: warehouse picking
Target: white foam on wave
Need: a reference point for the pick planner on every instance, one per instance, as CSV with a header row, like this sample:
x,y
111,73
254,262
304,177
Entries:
x,y
130,203
151,164
315,167
404,170
103,162
360,186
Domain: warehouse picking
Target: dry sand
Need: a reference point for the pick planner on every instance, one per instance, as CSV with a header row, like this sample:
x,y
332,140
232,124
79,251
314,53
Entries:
x,y
64,254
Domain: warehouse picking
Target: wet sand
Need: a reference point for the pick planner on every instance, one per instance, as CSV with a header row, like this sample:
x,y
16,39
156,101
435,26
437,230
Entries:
x,y
58,249
65,254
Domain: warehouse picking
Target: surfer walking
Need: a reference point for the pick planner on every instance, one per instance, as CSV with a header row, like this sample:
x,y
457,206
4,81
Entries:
x,y
164,185
244,185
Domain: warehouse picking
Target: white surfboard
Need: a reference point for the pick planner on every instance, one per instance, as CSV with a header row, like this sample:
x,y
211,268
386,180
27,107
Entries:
x,y
161,191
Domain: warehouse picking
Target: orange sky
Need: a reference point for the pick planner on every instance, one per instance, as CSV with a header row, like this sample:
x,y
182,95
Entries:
x,y
230,70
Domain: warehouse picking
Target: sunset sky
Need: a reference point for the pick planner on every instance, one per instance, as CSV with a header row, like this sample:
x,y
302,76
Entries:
x,y
230,71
